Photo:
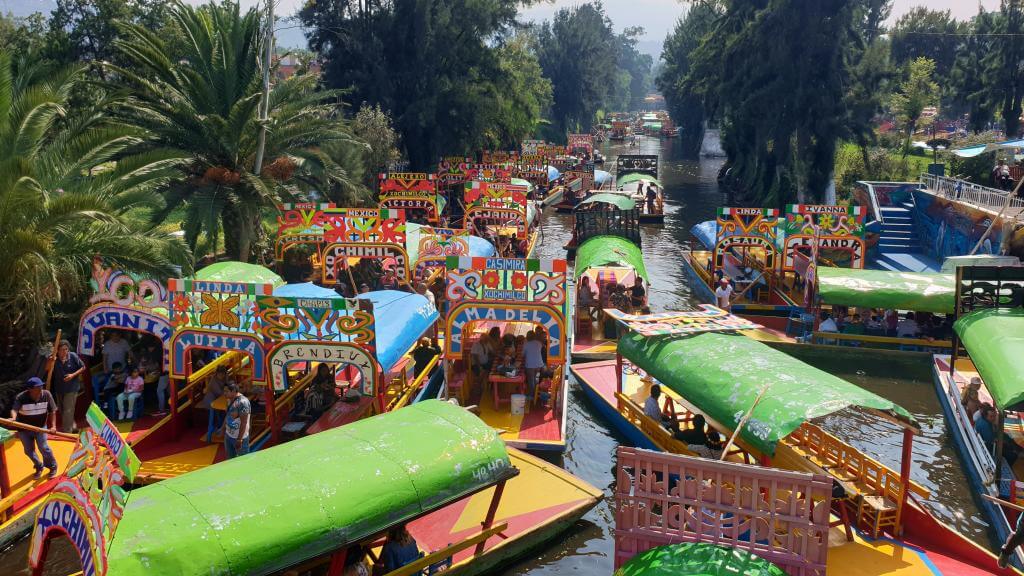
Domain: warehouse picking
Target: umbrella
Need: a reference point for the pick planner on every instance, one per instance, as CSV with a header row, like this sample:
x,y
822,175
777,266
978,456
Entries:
x,y
601,177
232,271
695,559
553,173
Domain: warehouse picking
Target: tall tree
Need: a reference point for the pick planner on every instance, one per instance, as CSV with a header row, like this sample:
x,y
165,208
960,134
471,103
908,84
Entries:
x,y
204,102
917,91
431,64
578,50
685,104
70,189
970,81
637,65
925,33
1003,63
524,94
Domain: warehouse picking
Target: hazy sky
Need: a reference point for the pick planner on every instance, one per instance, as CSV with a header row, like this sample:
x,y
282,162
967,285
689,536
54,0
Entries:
x,y
656,16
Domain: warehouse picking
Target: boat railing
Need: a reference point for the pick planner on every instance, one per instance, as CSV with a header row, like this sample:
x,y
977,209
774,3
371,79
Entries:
x,y
983,461
658,434
876,489
195,385
882,342
970,193
409,390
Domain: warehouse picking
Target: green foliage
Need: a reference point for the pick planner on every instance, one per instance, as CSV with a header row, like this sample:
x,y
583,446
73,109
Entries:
x,y
524,94
635,68
432,64
203,101
880,164
577,49
916,92
69,190
970,81
925,33
685,106
374,127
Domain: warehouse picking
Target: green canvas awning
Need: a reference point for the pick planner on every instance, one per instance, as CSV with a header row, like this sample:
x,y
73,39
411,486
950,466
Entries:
x,y
995,340
697,559
239,272
5,435
277,507
635,176
620,201
521,182
920,292
723,374
610,251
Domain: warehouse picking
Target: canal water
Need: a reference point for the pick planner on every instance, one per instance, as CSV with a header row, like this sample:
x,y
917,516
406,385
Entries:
x,y
692,195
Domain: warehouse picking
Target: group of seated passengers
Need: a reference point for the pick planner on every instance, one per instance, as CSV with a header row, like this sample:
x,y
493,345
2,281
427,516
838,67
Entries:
x,y
701,439
878,322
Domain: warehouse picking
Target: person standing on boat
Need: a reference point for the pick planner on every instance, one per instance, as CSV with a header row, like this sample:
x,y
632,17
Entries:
x,y
35,407
400,549
638,294
236,422
67,372
723,294
652,196
533,361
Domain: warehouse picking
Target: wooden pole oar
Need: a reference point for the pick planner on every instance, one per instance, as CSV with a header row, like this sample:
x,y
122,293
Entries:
x,y
743,421
1002,502
29,428
53,359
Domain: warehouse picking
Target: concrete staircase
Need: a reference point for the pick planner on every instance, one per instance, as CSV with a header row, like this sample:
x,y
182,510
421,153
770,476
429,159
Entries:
x,y
899,247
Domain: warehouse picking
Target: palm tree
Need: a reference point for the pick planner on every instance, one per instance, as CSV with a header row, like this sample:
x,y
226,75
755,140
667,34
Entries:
x,y
199,93
69,190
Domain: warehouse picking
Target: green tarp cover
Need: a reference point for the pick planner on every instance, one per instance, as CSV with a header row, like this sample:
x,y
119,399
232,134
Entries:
x,y
920,292
995,340
621,201
5,435
238,272
521,182
722,375
609,251
693,559
653,125
635,176
274,508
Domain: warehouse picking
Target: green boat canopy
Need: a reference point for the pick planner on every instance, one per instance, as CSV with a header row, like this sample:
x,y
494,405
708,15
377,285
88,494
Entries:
x,y
697,559
277,507
723,374
609,251
5,435
920,292
620,201
635,176
238,272
520,182
995,340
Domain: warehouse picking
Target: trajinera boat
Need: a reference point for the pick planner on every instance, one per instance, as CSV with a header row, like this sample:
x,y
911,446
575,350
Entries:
x,y
636,175
329,500
495,307
608,258
730,381
990,327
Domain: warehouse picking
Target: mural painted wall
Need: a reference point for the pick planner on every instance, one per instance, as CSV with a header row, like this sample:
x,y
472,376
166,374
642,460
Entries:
x,y
947,228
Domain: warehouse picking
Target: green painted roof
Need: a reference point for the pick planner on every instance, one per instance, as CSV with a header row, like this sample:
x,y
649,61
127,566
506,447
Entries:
x,y
620,201
697,559
609,251
915,291
274,508
995,340
722,375
521,182
232,271
634,176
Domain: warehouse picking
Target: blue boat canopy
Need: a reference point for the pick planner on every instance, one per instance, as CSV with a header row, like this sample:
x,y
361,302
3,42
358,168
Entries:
x,y
553,173
979,149
601,177
706,232
304,290
401,318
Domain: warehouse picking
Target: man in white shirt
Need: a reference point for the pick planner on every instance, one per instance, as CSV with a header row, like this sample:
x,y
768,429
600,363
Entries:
x,y
723,294
651,408
422,290
116,350
828,324
907,328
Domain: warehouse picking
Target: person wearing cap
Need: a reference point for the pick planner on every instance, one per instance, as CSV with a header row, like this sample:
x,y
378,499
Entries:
x,y
723,294
35,407
67,381
969,396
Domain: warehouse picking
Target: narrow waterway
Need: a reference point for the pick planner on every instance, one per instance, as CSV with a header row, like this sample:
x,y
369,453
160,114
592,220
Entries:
x,y
692,195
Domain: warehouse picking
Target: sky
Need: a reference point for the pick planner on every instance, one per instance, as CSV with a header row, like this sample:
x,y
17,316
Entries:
x,y
656,16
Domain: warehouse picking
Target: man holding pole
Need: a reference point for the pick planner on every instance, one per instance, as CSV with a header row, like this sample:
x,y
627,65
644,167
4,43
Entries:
x,y
35,407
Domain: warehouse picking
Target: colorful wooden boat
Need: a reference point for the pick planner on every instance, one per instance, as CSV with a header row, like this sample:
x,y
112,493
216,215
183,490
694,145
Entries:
x,y
20,493
515,296
429,248
635,174
501,213
470,503
713,371
991,330
413,192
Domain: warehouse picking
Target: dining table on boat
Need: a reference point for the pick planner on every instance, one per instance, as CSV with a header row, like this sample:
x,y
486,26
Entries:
x,y
497,380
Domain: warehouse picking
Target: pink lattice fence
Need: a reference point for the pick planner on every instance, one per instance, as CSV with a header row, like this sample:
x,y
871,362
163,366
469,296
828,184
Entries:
x,y
669,498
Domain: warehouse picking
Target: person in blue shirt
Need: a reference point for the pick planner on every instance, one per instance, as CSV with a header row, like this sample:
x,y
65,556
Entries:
x,y
400,549
985,427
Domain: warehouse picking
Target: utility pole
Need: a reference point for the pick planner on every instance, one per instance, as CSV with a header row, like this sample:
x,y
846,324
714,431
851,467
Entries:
x,y
265,104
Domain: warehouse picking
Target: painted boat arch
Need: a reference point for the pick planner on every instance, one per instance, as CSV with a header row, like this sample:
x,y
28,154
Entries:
x,y
746,228
108,315
832,228
410,191
285,353
188,339
334,259
464,315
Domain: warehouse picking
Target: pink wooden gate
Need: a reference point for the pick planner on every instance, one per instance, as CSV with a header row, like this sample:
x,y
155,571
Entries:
x,y
669,498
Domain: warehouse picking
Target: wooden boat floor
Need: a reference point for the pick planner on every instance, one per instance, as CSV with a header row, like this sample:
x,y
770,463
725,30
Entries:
x,y
539,424
20,469
862,557
540,496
